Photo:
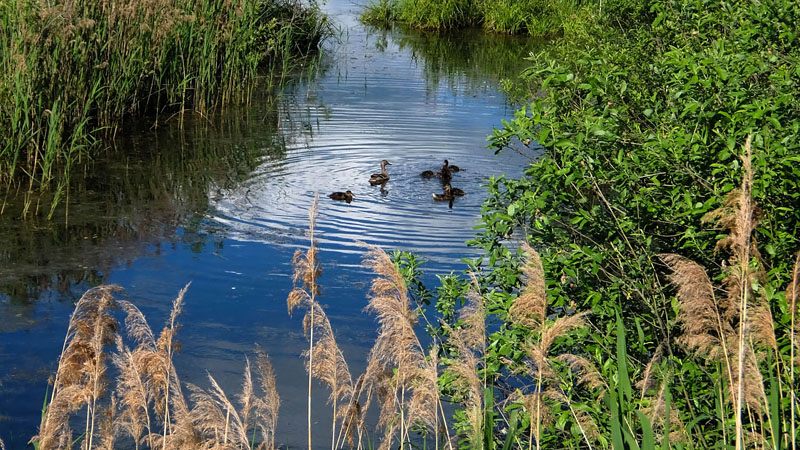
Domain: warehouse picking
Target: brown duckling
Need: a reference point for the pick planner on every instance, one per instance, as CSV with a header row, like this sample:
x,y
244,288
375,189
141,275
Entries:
x,y
447,195
450,167
346,196
457,191
380,178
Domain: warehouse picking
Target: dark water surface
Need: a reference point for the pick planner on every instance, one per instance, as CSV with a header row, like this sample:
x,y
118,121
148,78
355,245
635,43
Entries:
x,y
223,202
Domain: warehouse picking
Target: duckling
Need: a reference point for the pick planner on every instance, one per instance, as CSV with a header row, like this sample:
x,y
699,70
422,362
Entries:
x,y
380,178
457,191
444,172
450,167
346,196
447,195
428,174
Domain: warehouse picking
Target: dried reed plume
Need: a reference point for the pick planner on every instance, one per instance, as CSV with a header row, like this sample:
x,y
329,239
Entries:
x,y
469,342
268,404
222,426
529,311
325,361
147,376
726,328
398,369
329,365
80,377
792,294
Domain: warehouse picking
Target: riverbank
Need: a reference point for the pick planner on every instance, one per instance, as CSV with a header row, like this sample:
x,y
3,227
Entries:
x,y
75,71
537,18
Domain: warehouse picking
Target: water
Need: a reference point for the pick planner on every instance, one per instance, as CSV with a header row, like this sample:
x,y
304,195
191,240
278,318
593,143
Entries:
x,y
223,202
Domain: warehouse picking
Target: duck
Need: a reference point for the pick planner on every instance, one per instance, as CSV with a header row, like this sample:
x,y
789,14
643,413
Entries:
x,y
380,178
446,195
428,174
457,191
450,167
346,196
445,173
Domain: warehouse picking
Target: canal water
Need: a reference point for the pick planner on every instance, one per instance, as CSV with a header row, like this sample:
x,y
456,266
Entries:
x,y
222,202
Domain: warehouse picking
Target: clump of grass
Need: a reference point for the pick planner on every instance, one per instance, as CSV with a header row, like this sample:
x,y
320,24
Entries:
x,y
73,71
381,13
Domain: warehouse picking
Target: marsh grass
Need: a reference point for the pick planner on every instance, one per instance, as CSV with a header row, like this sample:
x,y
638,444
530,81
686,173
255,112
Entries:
x,y
72,72
540,18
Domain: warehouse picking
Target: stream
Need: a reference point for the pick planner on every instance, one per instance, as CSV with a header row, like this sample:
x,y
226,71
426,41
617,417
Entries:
x,y
222,202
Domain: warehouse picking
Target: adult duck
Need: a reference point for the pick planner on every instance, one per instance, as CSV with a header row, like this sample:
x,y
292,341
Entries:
x,y
380,178
346,196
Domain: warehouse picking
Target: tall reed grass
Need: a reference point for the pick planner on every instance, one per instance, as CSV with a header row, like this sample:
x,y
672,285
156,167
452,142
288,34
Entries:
x,y
73,71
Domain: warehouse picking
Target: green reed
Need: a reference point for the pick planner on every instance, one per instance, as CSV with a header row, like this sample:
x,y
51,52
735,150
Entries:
x,y
540,18
73,71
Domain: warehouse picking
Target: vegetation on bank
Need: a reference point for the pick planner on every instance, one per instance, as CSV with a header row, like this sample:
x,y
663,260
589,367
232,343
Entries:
x,y
644,127
73,71
541,18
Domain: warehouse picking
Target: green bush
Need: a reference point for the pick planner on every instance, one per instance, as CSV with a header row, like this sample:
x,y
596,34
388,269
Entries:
x,y
642,127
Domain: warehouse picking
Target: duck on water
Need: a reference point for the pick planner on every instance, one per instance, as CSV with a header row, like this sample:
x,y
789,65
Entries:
x,y
449,193
346,196
380,178
444,172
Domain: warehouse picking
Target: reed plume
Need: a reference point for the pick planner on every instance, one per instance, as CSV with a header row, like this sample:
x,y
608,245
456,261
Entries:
x,y
469,342
266,406
792,294
306,272
529,310
147,377
217,419
80,377
221,425
397,367
134,392
728,328
329,365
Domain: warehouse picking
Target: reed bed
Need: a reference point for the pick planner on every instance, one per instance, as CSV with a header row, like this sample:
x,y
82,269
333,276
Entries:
x,y
528,17
553,391
73,71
